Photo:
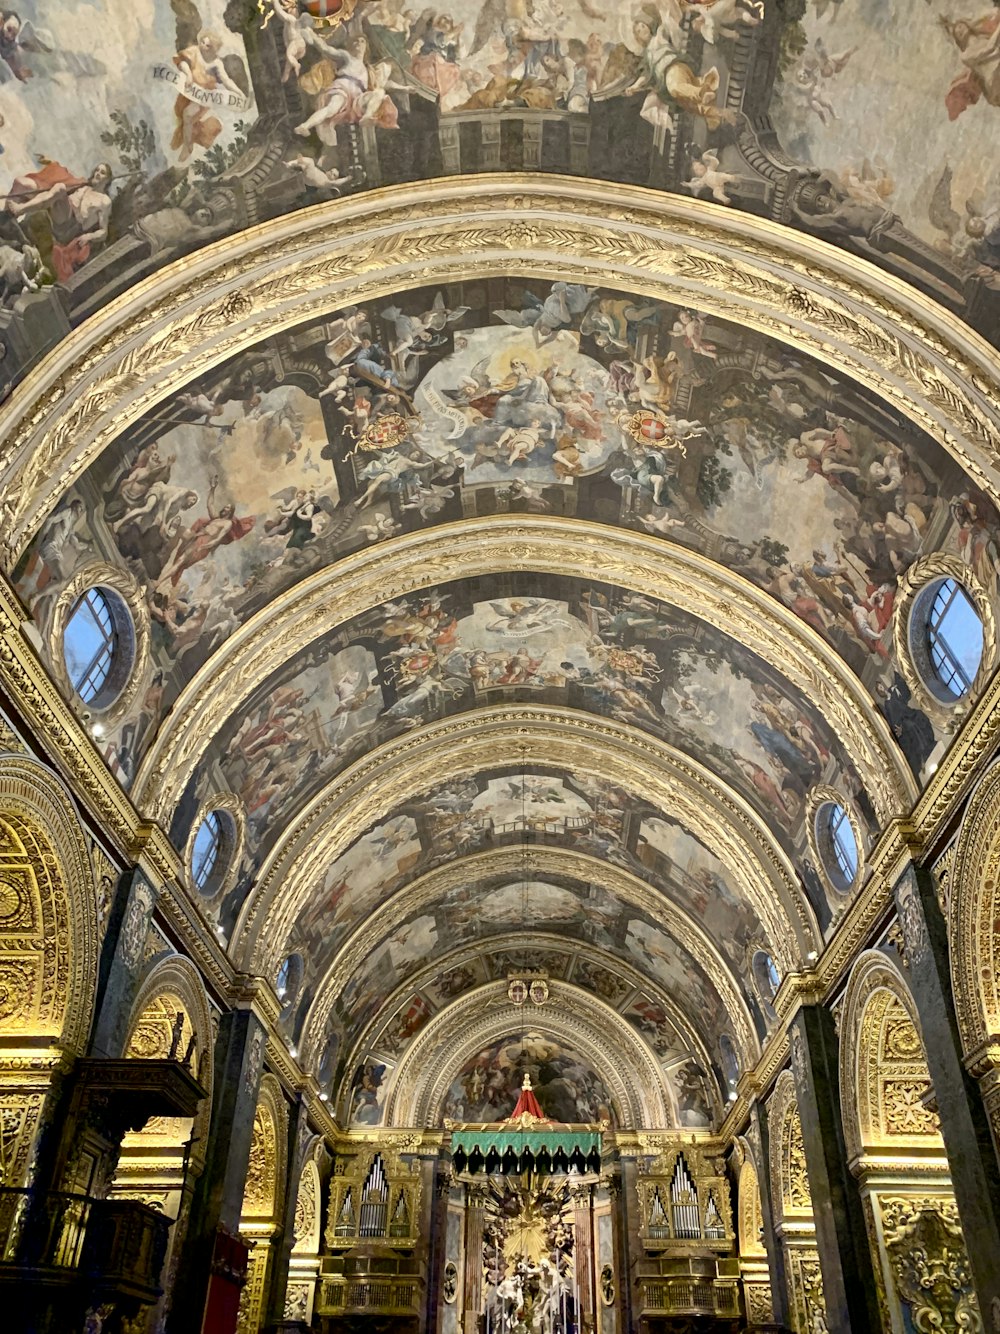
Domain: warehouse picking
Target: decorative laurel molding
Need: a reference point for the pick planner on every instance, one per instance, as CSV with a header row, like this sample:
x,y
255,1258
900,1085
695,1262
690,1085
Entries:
x,y
367,1039
479,548
585,1023
424,892
204,309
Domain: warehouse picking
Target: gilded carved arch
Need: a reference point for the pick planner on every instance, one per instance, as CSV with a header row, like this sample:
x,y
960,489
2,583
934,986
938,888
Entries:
x,y
308,1210
749,1214
168,987
789,1178
374,785
424,892
197,312
973,921
472,548
48,909
266,1170
632,1074
883,1069
368,1038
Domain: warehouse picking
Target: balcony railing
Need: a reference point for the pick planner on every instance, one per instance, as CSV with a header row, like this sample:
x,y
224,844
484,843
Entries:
x,y
109,1245
689,1296
374,1294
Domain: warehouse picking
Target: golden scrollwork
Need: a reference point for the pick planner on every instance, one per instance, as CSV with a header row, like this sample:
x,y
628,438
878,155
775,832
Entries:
x,y
930,1266
883,1070
975,907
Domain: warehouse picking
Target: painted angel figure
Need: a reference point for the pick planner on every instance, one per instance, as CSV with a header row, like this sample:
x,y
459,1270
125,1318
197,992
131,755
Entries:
x,y
724,18
201,60
417,332
298,32
16,36
978,42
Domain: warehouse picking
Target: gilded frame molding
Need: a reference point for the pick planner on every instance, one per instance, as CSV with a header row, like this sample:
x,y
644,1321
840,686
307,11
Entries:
x,y
102,575
819,797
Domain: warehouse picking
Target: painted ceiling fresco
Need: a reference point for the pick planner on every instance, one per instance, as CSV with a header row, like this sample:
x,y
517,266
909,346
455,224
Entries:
x,y
133,134
481,1090
587,646
135,131
515,397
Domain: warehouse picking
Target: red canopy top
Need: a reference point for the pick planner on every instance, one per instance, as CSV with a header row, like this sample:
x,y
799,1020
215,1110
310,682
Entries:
x,y
527,1102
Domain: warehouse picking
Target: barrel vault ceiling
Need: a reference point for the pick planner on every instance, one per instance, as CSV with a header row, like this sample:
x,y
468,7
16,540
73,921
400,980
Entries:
x,y
516,429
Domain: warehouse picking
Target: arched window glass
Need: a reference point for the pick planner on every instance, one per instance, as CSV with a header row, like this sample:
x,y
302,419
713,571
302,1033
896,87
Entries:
x,y
90,644
955,638
207,846
843,843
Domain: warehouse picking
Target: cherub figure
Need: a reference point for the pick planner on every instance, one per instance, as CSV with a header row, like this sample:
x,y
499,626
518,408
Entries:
x,y
707,176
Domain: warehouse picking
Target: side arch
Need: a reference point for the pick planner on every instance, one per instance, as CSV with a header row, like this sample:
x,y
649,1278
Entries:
x,y
49,939
974,925
631,1073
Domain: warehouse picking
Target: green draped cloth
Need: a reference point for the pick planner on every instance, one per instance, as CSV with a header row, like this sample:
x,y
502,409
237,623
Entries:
x,y
502,1137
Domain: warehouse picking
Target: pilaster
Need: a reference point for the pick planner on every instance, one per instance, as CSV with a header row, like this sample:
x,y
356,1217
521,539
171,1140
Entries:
x,y
239,1058
849,1289
965,1126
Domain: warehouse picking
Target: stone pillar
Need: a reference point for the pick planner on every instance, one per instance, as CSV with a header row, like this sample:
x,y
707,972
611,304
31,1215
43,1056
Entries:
x,y
583,1258
475,1216
62,1160
121,960
760,1137
218,1201
284,1239
436,1215
965,1127
849,1289
629,1245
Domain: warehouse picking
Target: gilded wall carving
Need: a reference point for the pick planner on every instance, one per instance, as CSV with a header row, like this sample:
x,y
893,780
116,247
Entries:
x,y
923,1239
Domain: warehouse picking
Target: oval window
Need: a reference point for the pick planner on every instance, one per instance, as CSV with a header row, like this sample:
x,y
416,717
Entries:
x,y
954,633
289,978
98,646
210,851
767,975
838,845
